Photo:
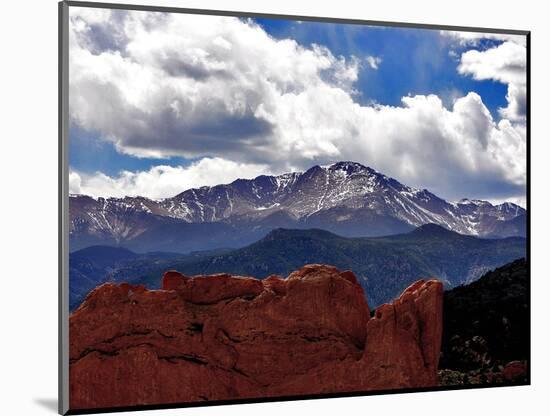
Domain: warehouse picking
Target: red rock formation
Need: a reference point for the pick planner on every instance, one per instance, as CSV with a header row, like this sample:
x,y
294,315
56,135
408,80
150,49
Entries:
x,y
226,337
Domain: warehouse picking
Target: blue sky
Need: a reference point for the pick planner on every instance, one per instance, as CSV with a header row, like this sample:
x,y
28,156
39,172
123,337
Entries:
x,y
401,49
135,136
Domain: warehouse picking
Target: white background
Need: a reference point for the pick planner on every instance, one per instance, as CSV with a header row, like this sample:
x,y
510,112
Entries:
x,y
28,205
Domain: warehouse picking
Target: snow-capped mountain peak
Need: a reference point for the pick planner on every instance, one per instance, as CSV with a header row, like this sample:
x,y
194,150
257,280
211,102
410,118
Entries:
x,y
344,197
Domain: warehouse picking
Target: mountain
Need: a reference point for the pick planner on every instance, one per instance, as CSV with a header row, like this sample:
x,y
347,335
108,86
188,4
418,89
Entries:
x,y
384,265
101,256
346,198
486,327
95,265
92,266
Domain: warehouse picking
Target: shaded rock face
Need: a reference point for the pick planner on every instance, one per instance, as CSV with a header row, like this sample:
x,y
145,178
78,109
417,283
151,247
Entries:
x,y
224,337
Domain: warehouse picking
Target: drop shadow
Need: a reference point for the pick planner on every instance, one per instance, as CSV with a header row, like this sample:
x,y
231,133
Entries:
x,y
47,403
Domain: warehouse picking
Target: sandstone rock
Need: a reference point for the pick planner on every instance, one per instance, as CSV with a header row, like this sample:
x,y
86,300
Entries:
x,y
226,337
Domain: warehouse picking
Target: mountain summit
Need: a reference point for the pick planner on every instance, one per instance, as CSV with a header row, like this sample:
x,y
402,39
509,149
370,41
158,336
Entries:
x,y
346,198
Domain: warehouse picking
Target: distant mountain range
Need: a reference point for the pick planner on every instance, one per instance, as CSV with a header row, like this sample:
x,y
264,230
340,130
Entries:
x,y
384,265
92,266
345,198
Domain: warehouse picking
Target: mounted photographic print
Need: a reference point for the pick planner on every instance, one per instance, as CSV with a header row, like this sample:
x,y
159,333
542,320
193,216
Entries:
x,y
262,207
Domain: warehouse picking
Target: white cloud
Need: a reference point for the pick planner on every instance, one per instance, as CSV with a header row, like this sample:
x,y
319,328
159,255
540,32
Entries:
x,y
505,63
74,183
374,61
190,84
473,38
162,181
219,87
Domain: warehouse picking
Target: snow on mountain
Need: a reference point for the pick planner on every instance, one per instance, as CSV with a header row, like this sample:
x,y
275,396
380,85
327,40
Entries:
x,y
355,192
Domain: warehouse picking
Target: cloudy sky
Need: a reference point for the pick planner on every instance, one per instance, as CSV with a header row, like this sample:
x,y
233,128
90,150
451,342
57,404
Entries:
x,y
163,102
